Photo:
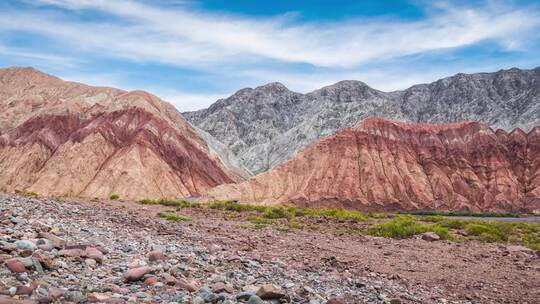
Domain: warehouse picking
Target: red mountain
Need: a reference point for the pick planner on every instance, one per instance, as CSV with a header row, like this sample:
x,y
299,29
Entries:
x,y
59,137
387,165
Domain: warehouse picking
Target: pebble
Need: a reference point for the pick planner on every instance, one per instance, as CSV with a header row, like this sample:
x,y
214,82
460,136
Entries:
x,y
136,274
270,291
15,265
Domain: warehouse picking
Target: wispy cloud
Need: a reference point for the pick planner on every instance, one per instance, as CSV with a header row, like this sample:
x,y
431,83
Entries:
x,y
195,56
185,37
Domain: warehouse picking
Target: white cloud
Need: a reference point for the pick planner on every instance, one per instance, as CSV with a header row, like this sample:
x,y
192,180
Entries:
x,y
183,37
185,101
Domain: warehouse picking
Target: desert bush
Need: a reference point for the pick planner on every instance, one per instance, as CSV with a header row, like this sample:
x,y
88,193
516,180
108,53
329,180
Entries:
x,y
277,213
464,213
172,217
179,204
403,227
334,213
18,191
31,194
114,196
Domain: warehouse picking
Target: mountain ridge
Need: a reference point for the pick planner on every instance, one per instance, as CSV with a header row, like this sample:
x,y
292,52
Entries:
x,y
263,127
59,137
382,165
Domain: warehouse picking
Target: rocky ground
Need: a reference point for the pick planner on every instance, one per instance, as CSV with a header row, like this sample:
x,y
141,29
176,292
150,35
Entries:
x,y
71,251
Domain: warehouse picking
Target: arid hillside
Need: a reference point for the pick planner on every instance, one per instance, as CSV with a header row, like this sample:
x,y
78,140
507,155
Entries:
x,y
387,165
64,138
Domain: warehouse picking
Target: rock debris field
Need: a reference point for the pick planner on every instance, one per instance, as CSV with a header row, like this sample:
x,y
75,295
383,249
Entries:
x,y
74,251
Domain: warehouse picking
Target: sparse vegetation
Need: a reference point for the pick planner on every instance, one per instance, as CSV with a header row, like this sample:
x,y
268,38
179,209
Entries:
x,y
114,196
95,199
464,213
493,231
287,218
18,191
32,194
173,217
179,204
403,227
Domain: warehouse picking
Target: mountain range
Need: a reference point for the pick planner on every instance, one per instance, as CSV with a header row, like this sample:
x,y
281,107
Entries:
x,y
265,126
463,142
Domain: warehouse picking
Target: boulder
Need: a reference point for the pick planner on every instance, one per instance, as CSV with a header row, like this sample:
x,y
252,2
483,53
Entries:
x,y
430,236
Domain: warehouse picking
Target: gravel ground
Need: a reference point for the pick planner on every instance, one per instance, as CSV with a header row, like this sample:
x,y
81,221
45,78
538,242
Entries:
x,y
113,252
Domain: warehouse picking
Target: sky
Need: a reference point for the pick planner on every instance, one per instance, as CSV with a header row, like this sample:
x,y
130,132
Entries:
x,y
193,52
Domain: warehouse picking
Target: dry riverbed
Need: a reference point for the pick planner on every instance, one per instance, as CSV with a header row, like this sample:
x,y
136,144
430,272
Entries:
x,y
112,252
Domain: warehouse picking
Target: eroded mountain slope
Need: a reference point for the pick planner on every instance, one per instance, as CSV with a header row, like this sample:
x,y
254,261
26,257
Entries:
x,y
387,165
270,124
61,137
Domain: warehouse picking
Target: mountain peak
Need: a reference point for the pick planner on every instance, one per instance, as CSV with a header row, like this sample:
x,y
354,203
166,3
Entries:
x,y
273,86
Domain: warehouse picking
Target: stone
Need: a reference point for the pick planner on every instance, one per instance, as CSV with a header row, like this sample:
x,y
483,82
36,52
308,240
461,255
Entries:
x,y
15,265
335,301
58,241
221,287
395,301
154,256
181,284
46,244
9,300
136,274
169,279
94,254
25,245
45,261
24,290
150,281
245,295
72,253
96,297
255,300
270,291
430,236
7,247
90,262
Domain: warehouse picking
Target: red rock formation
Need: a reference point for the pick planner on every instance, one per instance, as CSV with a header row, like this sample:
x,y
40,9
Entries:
x,y
59,137
387,165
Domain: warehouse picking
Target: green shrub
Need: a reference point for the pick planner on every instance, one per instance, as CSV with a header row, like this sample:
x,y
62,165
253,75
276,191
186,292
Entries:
x,y
114,196
18,191
453,223
282,228
277,213
172,217
31,194
95,199
405,227
236,206
334,213
464,213
490,231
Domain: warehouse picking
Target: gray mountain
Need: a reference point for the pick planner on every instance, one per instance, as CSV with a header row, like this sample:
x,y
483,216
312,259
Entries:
x,y
267,125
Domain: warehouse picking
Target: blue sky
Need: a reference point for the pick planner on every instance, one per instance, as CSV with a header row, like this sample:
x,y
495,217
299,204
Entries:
x,y
193,52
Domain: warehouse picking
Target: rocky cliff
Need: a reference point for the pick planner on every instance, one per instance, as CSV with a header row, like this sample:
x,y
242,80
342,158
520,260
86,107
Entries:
x,y
270,124
387,165
60,137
